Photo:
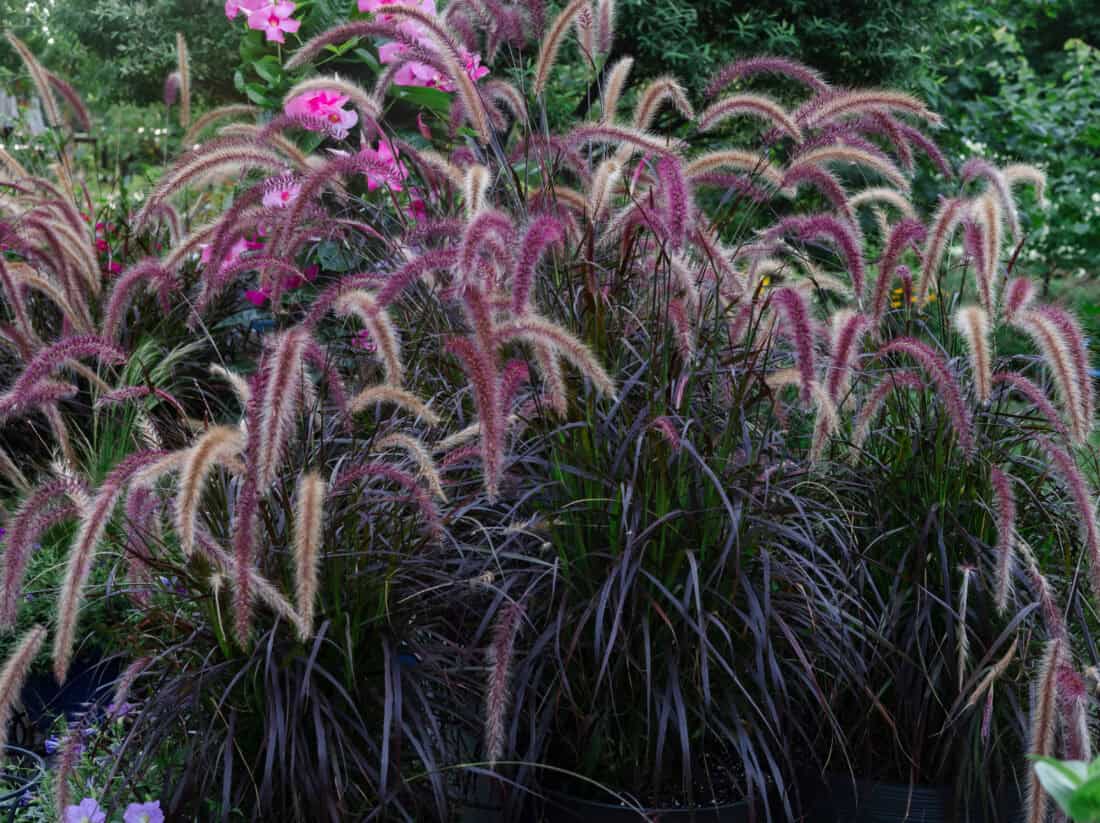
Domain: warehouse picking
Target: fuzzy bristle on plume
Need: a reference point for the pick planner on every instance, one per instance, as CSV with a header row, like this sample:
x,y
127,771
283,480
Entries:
x,y
972,323
1043,723
1050,338
41,79
756,105
947,218
499,658
661,90
1083,498
382,330
537,330
183,69
215,446
552,42
847,103
779,66
613,88
1004,505
14,672
308,526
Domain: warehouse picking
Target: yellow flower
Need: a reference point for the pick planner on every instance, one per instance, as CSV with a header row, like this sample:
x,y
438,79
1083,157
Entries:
x,y
895,304
913,299
767,281
932,297
898,291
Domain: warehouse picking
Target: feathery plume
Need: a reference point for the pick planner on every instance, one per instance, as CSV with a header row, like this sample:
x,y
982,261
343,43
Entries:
x,y
613,88
846,103
233,110
482,373
978,168
677,201
125,683
810,227
757,165
236,382
419,453
1043,719
486,223
944,222
340,34
497,695
906,232
92,526
1017,173
1019,295
14,673
171,88
605,25
972,323
551,43
1071,332
544,232
403,479
1084,502
631,140
278,401
752,66
961,630
308,525
475,185
661,90
1034,394
214,446
825,423
937,368
1004,504
858,156
382,330
537,330
994,674
849,329
756,105
1051,341
825,182
183,68
54,357
882,194
797,314
41,79
393,396
1073,701
80,111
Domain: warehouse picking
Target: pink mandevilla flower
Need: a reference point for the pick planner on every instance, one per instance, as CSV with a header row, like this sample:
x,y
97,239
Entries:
x,y
281,195
235,251
273,20
87,811
324,105
235,7
143,813
394,176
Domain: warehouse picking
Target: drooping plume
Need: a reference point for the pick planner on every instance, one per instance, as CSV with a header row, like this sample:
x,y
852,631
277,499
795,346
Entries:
x,y
972,323
1084,503
499,657
14,673
1004,505
308,526
1043,725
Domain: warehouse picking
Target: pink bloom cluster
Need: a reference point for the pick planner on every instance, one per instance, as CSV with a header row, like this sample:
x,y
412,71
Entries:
x,y
324,105
414,73
88,811
396,172
272,18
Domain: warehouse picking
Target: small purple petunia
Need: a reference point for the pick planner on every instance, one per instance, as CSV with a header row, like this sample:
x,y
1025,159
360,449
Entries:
x,y
87,811
52,744
143,813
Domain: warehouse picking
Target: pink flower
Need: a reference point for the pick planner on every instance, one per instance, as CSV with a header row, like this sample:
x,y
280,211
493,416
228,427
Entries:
x,y
235,251
87,811
396,172
235,7
323,105
143,813
472,62
364,341
114,267
273,20
282,193
418,209
257,297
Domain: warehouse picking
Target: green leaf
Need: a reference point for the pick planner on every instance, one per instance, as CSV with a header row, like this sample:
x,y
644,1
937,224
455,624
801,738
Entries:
x,y
270,69
334,257
433,99
1084,803
1060,779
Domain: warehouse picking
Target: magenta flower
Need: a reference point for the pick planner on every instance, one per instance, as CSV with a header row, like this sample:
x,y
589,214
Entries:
x,y
257,297
87,811
394,174
235,251
235,7
273,20
282,192
364,341
143,813
323,105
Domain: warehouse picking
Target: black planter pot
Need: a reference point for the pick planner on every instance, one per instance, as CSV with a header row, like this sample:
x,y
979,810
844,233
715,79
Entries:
x,y
838,800
563,808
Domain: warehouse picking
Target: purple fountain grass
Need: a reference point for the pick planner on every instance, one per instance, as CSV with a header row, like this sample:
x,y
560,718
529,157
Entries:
x,y
499,659
486,224
974,244
614,82
72,98
757,105
1018,297
677,203
1071,332
1004,505
1043,726
552,42
1050,339
14,673
862,101
308,527
279,401
340,34
936,366
849,330
415,449
859,153
85,545
961,631
1035,395
605,25
793,306
543,233
318,357
147,271
756,165
920,140
810,227
946,219
825,182
212,448
382,330
1083,502
906,233
143,508
406,481
537,330
56,356
398,397
988,213
659,91
601,189
1053,621
41,79
13,296
480,369
977,168
624,136
125,684
972,323
764,64
1073,706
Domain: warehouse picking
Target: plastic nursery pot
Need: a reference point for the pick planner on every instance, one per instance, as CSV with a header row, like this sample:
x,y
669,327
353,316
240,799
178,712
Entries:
x,y
870,801
20,775
564,808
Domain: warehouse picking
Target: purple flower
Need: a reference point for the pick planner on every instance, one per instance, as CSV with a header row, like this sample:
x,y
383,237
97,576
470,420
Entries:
x,y
51,745
87,812
143,813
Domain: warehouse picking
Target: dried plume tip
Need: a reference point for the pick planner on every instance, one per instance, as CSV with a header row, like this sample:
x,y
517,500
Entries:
x,y
499,657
